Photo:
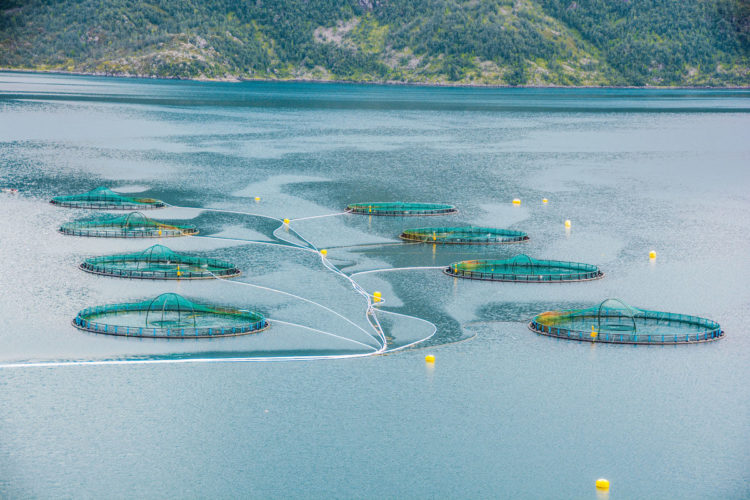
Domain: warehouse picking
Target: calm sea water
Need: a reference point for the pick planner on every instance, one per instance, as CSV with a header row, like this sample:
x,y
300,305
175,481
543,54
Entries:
x,y
503,413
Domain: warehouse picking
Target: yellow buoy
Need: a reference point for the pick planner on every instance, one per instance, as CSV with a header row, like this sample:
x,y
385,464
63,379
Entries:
x,y
257,198
159,232
567,223
516,201
429,358
593,331
544,200
652,254
602,484
324,252
286,221
377,297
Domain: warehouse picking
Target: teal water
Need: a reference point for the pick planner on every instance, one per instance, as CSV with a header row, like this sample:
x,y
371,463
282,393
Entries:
x,y
503,413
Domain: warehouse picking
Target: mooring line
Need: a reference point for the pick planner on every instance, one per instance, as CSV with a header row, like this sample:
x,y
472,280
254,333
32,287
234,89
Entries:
x,y
318,216
390,269
321,331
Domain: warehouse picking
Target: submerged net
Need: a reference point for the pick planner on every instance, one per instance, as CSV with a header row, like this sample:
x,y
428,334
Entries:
x,y
464,235
401,208
524,269
159,262
613,321
133,225
103,198
169,316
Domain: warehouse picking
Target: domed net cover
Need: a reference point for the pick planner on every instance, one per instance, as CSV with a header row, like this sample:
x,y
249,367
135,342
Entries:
x,y
169,315
401,208
464,235
159,262
132,225
104,198
614,321
523,268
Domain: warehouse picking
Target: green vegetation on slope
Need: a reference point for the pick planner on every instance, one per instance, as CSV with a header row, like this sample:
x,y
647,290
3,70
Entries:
x,y
513,42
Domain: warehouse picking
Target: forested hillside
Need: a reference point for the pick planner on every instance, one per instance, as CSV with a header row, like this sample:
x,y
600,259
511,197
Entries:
x,y
503,42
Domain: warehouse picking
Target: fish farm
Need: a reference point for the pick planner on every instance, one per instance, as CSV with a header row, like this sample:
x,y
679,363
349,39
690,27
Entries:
x,y
615,322
464,235
161,263
169,316
103,198
133,225
400,208
524,269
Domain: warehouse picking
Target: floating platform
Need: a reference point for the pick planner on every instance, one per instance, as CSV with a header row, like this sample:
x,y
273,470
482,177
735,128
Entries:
x,y
159,263
464,235
133,225
401,209
169,316
615,322
524,269
103,198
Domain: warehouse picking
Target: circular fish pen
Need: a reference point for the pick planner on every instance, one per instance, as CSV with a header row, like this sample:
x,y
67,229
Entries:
x,y
400,208
159,263
464,235
524,269
169,316
615,322
103,198
133,225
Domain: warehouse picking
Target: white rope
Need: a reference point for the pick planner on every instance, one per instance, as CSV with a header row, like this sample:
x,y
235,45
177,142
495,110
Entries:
x,y
321,331
397,269
318,216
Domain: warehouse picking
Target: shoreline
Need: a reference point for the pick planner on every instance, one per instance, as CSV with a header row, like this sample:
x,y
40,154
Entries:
x,y
381,83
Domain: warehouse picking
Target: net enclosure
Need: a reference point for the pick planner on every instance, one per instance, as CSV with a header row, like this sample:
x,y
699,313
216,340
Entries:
x,y
615,322
169,316
159,262
464,235
400,208
103,198
132,225
524,269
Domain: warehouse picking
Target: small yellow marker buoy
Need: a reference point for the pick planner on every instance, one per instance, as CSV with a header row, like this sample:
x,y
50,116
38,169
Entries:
x,y
377,297
516,201
257,198
159,232
652,254
593,332
178,271
544,200
286,221
429,358
602,484
324,252
567,223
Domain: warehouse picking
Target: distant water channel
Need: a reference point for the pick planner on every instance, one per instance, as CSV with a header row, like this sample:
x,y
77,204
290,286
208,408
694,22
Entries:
x,y
502,413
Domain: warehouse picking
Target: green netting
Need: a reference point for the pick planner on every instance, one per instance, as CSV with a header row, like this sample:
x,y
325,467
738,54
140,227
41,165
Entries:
x,y
401,208
159,262
524,269
464,235
169,316
132,225
613,321
103,198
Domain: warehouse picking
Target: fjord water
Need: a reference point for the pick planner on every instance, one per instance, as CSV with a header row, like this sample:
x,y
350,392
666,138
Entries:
x,y
503,413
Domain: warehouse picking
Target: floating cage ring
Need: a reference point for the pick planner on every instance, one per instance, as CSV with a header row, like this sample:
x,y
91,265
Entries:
x,y
524,269
469,235
169,316
160,263
615,322
400,208
132,225
103,198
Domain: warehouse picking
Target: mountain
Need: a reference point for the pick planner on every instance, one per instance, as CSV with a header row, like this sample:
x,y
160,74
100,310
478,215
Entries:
x,y
483,42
